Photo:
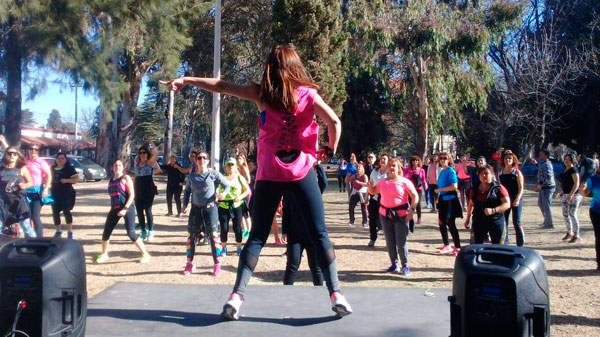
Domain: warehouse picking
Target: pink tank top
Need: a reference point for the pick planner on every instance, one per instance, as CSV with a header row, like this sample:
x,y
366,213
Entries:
x,y
394,194
37,169
285,132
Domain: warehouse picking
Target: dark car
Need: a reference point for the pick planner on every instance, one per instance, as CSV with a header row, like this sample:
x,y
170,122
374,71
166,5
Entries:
x,y
530,171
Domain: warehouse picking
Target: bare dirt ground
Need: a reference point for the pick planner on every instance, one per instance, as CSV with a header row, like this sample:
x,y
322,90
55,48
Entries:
x,y
574,283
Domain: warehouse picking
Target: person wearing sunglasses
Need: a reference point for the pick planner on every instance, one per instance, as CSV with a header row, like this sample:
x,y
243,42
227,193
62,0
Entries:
x,y
14,180
449,207
203,183
145,190
41,176
288,101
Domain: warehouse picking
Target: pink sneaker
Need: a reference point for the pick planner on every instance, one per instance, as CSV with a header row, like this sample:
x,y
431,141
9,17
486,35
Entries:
x,y
445,250
277,240
217,269
189,268
455,251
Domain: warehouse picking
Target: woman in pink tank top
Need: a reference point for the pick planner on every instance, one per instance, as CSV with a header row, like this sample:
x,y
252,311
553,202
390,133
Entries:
x,y
287,99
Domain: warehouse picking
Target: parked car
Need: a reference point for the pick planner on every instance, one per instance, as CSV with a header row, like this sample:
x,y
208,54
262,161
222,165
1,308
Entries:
x,y
91,170
80,174
331,166
530,171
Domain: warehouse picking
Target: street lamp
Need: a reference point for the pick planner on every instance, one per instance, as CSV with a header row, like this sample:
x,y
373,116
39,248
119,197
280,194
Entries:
x,y
76,86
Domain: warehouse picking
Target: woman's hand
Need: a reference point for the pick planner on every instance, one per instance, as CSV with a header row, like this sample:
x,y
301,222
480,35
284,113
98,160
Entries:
x,y
570,198
184,210
467,222
220,197
284,239
437,191
23,186
175,85
45,192
516,203
122,212
488,211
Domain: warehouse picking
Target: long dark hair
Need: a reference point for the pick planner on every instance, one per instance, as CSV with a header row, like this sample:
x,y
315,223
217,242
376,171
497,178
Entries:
x,y
149,154
20,159
284,72
67,162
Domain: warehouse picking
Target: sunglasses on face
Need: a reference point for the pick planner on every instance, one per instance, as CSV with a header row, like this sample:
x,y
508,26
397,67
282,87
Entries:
x,y
201,157
143,152
34,149
443,158
11,153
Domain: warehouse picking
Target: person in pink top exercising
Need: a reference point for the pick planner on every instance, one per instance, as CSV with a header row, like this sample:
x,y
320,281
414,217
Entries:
x,y
287,99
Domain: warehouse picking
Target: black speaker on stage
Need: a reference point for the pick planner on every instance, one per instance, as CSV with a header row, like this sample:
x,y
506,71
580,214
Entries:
x,y
48,274
499,290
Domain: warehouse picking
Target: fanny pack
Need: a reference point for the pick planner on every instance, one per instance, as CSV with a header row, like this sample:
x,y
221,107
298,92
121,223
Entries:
x,y
390,213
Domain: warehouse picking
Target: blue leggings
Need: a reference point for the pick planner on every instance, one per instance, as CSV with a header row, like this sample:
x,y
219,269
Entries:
x,y
307,195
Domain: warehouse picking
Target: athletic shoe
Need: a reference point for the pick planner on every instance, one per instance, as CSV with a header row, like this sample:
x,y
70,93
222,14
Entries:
x,y
58,234
277,240
350,224
179,215
405,271
239,251
339,304
101,258
393,268
445,250
371,243
418,221
245,234
169,214
189,268
231,309
224,252
455,251
575,239
150,236
69,235
144,234
365,225
567,237
145,258
217,270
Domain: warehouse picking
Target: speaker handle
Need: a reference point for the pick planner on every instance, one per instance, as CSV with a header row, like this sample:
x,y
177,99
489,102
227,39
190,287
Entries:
x,y
539,321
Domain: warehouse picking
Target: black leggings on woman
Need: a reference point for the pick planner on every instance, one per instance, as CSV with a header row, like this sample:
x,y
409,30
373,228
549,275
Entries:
x,y
448,222
235,215
140,209
113,218
595,217
307,195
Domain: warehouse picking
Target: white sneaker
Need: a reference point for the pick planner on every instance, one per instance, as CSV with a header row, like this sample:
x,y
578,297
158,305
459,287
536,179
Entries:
x,y
231,309
339,305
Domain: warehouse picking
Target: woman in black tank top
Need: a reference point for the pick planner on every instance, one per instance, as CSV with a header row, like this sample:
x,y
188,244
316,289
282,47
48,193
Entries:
x,y
512,179
14,179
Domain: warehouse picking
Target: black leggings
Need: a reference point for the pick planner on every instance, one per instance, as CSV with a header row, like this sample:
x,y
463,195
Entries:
x,y
174,191
203,221
140,209
483,227
294,257
307,195
224,216
56,216
35,209
595,217
355,199
412,221
113,218
448,222
433,197
374,222
341,183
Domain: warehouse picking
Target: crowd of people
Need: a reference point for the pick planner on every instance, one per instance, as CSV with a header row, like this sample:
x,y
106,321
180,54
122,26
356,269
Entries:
x,y
288,177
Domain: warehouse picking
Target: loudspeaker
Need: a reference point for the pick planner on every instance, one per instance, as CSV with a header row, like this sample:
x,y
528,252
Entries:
x,y
499,290
49,275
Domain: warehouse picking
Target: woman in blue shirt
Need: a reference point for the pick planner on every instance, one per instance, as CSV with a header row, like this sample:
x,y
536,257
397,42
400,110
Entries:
x,y
449,207
592,186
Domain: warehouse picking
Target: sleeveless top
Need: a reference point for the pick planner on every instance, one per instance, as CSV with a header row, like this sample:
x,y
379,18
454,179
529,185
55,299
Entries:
x,y
287,141
36,169
511,183
117,189
10,179
493,200
394,194
235,189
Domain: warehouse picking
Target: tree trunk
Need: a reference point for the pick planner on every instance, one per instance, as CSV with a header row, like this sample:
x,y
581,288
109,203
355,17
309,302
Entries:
x,y
419,75
106,140
14,61
125,137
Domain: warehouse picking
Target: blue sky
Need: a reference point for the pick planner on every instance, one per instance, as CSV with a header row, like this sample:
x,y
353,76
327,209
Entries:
x,y
62,98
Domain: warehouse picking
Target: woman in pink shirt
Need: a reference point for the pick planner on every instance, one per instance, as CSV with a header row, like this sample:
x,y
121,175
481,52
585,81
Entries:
x,y
42,180
394,210
416,174
287,99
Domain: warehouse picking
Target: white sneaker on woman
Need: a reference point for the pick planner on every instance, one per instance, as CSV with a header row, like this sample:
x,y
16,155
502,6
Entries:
x,y
231,309
339,305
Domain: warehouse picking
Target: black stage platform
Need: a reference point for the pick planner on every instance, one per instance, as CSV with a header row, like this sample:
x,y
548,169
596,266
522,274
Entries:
x,y
147,310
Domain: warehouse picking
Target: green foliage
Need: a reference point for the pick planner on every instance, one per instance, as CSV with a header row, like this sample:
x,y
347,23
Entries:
x,y
27,118
54,121
315,28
